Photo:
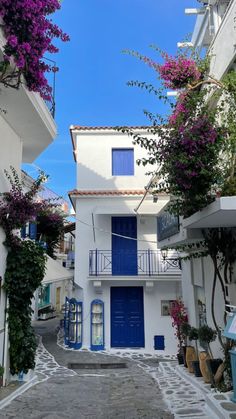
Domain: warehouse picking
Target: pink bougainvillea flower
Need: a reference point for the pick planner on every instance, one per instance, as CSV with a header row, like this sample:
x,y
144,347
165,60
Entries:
x,y
29,34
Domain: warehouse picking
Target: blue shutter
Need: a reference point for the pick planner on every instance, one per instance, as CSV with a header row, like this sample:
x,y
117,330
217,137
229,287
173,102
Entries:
x,y
23,232
122,161
33,231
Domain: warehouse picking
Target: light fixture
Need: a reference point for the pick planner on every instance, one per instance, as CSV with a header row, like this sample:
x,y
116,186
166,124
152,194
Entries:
x,y
155,198
164,253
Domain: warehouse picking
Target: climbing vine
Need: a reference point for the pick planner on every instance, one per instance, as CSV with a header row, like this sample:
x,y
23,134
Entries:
x,y
193,152
25,264
193,148
25,270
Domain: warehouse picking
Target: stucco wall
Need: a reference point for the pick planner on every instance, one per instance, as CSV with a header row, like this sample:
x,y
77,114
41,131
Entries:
x,y
155,324
197,279
94,153
11,154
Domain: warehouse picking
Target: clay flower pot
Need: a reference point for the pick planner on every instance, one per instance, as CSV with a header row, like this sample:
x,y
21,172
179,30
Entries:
x,y
190,357
203,357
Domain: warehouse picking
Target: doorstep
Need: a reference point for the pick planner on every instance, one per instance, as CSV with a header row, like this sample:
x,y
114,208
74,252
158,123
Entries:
x,y
15,389
220,403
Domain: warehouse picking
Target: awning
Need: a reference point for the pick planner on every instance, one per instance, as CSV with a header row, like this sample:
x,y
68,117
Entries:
x,y
148,207
221,213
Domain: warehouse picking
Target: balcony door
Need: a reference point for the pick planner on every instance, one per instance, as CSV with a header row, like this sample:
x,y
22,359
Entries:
x,y
124,251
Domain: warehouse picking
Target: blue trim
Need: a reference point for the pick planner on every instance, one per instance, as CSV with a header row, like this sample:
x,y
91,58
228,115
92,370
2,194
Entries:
x,y
73,321
124,251
159,342
233,368
33,231
127,317
227,332
23,232
98,346
122,162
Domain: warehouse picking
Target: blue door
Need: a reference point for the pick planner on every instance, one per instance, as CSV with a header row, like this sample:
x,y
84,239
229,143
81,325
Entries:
x,y
124,251
127,318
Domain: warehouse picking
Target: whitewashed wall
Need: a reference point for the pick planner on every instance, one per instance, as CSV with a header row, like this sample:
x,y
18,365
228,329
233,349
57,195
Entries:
x,y
155,324
94,169
11,155
199,273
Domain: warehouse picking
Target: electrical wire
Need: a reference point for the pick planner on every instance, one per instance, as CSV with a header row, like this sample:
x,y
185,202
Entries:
x,y
115,234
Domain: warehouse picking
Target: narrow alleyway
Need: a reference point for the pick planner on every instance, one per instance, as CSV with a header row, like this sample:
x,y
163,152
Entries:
x,y
84,393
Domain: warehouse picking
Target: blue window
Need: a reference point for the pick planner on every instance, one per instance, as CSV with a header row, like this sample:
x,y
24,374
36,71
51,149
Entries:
x,y
122,162
33,231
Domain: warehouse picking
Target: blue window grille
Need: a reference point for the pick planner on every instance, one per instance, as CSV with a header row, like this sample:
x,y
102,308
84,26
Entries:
x,y
159,342
73,323
122,162
97,325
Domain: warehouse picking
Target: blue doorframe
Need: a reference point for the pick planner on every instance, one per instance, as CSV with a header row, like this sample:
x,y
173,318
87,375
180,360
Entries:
x,y
127,317
124,251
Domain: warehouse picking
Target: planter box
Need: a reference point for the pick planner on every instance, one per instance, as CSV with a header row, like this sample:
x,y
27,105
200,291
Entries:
x,y
46,316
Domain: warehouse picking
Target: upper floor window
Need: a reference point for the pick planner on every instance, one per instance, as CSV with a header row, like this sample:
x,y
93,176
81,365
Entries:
x,y
122,161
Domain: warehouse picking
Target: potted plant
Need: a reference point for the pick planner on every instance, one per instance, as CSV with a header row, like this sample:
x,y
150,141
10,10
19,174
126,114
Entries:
x,y
46,313
206,335
1,375
193,336
179,316
190,351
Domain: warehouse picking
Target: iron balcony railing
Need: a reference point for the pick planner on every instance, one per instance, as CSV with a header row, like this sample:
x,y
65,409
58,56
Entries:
x,y
142,262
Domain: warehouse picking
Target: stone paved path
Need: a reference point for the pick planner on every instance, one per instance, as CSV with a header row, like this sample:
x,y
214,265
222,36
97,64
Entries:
x,y
127,393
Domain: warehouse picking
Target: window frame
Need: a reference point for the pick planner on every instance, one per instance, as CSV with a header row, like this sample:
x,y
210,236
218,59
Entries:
x,y
114,170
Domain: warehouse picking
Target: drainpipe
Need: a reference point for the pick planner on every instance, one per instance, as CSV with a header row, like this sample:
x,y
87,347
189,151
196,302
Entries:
x,y
5,343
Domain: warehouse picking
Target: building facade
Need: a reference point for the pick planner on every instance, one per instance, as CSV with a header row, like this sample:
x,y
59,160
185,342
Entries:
x,y
126,285
214,30
26,129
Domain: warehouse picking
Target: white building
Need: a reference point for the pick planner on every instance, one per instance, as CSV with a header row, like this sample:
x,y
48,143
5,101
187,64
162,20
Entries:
x,y
116,256
26,129
215,30
58,280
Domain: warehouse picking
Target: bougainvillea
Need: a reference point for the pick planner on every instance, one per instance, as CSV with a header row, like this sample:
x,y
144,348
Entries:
x,y
50,226
29,34
16,206
193,148
178,72
26,262
189,158
179,317
181,111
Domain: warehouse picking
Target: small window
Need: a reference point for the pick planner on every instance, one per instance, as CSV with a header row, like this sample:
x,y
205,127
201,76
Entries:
x,y
122,162
166,306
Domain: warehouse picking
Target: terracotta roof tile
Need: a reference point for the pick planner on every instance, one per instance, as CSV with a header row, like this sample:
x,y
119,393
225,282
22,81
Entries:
x,y
87,128
106,192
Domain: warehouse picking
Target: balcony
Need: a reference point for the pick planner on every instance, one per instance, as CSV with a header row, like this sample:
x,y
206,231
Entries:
x,y
28,115
223,47
149,263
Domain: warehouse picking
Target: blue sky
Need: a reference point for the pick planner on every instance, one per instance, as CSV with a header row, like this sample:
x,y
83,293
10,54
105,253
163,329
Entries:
x,y
91,84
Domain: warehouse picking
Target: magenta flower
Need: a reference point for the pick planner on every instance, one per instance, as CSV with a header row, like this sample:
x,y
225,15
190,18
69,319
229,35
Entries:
x,y
29,35
178,72
12,41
